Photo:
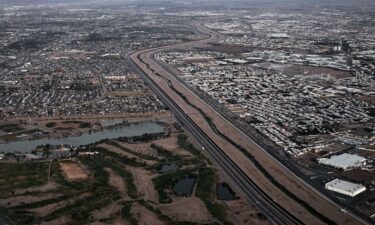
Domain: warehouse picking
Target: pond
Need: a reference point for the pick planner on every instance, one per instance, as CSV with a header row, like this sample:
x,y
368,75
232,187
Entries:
x,y
224,192
133,129
168,167
184,186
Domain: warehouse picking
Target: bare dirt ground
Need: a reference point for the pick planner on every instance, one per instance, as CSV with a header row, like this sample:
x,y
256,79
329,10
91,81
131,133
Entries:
x,y
59,221
169,143
145,216
312,70
107,211
25,199
72,171
238,49
144,184
127,93
228,48
358,175
116,181
127,154
43,188
98,223
187,209
45,210
119,221
243,214
143,148
112,148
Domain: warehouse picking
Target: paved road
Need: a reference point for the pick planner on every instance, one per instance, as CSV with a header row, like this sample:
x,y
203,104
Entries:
x,y
272,210
264,203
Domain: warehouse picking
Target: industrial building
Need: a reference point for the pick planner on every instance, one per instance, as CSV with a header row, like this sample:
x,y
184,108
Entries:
x,y
344,161
345,187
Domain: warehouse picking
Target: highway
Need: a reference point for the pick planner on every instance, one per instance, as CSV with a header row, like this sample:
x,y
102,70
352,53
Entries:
x,y
274,212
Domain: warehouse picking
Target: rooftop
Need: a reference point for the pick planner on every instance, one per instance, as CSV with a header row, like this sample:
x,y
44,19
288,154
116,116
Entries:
x,y
343,161
345,187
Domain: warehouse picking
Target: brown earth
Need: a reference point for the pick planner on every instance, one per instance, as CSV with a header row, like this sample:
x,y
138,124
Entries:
x,y
228,48
144,184
98,223
72,171
357,175
119,221
47,209
107,211
43,188
169,143
187,209
145,216
311,70
114,149
242,214
26,199
126,93
59,221
116,181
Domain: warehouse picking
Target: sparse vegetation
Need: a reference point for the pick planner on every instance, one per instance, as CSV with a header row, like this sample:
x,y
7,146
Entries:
x,y
165,181
169,156
81,198
11,127
127,213
51,124
182,142
206,191
13,136
140,155
84,125
17,176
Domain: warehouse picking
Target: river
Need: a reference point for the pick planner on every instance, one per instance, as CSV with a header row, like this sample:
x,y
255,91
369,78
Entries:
x,y
131,130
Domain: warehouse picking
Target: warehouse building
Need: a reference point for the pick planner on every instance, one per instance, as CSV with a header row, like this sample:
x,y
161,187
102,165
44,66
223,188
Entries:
x,y
345,187
344,161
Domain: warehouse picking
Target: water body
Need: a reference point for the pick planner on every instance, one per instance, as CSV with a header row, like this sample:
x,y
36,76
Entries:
x,y
184,186
224,192
87,138
168,167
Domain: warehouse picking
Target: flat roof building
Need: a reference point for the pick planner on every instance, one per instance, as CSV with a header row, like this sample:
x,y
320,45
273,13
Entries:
x,y
345,187
344,161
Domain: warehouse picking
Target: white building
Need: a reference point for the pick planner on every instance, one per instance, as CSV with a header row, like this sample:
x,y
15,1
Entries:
x,y
345,187
344,161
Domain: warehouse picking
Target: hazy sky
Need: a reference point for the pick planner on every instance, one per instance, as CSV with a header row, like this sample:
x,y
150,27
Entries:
x,y
358,3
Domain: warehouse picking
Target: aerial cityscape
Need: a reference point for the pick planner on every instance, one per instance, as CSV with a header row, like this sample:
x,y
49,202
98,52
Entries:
x,y
140,112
